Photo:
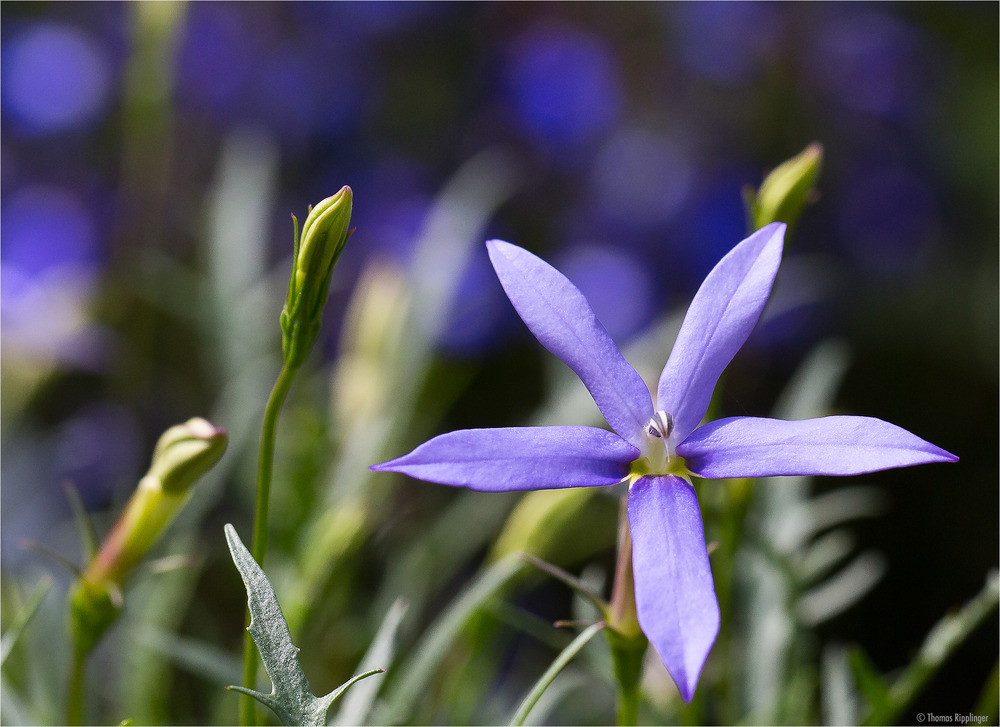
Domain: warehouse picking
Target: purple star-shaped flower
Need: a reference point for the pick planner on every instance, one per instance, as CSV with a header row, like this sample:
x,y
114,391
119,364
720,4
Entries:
x,y
658,449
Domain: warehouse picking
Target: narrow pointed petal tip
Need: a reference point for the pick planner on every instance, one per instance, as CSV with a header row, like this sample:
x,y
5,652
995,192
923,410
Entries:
x,y
560,317
718,322
674,591
835,445
519,458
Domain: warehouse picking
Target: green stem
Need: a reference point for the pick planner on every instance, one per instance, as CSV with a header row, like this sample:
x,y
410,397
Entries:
x,y
627,659
628,643
265,462
627,707
622,612
248,705
265,465
74,696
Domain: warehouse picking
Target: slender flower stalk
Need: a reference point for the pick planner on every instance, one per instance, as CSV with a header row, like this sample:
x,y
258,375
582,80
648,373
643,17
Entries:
x,y
183,454
265,467
628,643
658,449
323,236
265,458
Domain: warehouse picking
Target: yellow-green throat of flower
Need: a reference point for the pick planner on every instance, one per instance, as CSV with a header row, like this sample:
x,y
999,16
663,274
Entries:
x,y
661,457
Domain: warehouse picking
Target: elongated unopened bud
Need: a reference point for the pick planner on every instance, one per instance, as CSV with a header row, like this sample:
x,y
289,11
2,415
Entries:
x,y
183,454
786,190
323,236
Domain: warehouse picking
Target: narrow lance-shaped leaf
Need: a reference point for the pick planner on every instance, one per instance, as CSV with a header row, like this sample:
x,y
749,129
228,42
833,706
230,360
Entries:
x,y
357,705
944,638
24,616
290,698
869,681
839,696
565,656
203,659
428,654
570,580
88,534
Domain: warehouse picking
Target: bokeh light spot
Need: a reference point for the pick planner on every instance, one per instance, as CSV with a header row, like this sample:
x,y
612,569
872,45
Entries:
x,y
641,178
868,62
617,287
725,41
564,84
46,227
54,77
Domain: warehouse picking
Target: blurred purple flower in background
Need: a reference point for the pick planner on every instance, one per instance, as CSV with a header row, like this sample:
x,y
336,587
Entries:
x,y
889,220
868,62
564,85
748,31
478,317
239,68
98,450
704,234
620,290
658,450
49,266
215,60
55,77
46,227
642,178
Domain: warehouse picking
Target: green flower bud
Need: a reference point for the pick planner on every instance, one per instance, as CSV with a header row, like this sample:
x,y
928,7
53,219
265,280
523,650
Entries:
x,y
324,234
785,191
183,454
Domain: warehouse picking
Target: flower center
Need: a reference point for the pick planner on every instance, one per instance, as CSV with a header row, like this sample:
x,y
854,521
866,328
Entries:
x,y
661,457
661,426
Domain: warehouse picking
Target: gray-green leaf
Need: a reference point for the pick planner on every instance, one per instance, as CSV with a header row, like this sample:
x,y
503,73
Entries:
x,y
290,698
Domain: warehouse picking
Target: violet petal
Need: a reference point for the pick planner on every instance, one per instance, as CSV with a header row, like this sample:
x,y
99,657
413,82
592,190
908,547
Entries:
x,y
674,591
836,445
723,313
563,321
519,458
